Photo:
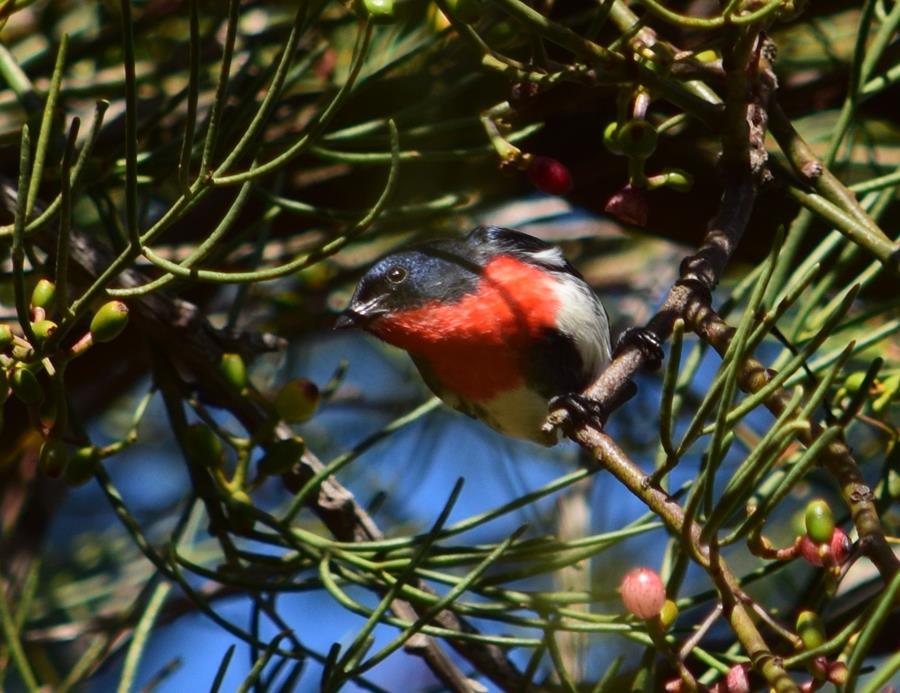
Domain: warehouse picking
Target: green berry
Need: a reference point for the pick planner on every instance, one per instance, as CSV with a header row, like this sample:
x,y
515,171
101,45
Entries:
x,y
854,381
232,368
82,465
109,321
611,138
43,294
281,456
6,336
26,387
810,629
668,614
297,400
53,458
380,11
637,138
203,447
678,179
43,329
819,521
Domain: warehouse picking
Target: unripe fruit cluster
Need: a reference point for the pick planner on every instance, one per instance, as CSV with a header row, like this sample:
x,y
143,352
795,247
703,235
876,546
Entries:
x,y
22,364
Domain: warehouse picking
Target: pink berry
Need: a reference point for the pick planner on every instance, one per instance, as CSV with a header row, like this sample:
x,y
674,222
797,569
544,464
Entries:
x,y
737,680
549,175
643,593
809,550
629,206
837,673
819,667
840,546
833,553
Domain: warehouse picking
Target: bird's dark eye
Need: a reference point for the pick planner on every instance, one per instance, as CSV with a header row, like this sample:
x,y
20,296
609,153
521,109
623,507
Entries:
x,y
396,275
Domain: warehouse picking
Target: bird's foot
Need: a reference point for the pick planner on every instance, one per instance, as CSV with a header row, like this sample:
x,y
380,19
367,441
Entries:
x,y
646,341
575,410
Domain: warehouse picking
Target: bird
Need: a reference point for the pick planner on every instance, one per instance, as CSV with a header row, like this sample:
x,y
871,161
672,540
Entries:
x,y
499,324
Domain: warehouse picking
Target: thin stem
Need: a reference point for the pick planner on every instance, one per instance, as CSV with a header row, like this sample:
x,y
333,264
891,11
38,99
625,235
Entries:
x,y
190,123
876,244
212,128
360,52
13,641
43,140
141,637
131,141
61,273
18,245
328,249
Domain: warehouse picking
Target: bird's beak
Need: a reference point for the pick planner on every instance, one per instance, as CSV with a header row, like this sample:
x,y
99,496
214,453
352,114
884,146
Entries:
x,y
347,319
359,314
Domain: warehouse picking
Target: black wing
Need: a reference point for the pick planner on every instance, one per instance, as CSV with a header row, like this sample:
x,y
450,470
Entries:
x,y
554,365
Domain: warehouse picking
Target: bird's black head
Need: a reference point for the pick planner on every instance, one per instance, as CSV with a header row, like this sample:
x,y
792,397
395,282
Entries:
x,y
440,271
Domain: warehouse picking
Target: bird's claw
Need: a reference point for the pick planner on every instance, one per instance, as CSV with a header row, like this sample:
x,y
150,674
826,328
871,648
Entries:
x,y
576,410
646,341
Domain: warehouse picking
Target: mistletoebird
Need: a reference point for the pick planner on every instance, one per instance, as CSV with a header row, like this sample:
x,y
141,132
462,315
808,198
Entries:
x,y
499,324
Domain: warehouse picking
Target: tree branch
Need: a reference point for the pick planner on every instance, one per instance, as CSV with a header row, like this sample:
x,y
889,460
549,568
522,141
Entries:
x,y
181,331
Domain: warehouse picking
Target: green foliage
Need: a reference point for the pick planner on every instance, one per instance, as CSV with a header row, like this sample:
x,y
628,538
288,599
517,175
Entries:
x,y
175,158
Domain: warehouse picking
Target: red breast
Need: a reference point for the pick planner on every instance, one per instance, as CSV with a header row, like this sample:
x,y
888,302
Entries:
x,y
473,344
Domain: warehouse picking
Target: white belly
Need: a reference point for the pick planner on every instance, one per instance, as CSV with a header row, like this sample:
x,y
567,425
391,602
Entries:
x,y
518,413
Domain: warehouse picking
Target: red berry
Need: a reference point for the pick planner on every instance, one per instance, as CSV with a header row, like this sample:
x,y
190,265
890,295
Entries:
x,y
629,206
549,176
643,593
